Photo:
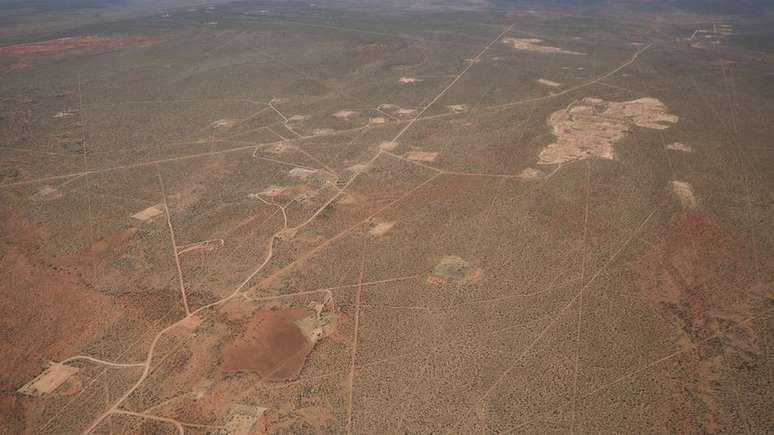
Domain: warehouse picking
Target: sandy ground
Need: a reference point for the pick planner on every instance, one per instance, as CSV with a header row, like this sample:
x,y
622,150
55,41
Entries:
x,y
536,45
591,127
306,221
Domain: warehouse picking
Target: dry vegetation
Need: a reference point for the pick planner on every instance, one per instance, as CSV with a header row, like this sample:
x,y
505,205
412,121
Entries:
x,y
371,218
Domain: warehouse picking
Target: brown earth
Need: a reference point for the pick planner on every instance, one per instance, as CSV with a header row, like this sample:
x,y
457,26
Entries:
x,y
48,307
78,43
697,278
49,302
273,346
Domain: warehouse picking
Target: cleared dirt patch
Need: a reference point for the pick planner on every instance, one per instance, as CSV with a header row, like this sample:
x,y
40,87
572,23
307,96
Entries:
x,y
530,174
421,156
679,146
49,380
360,168
381,228
225,123
271,191
549,83
149,213
298,118
457,108
303,174
66,114
273,346
454,269
590,127
345,114
684,193
46,193
207,245
534,44
276,343
388,146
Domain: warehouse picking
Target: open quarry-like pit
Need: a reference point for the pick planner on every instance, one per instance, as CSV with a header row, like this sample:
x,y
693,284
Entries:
x,y
590,127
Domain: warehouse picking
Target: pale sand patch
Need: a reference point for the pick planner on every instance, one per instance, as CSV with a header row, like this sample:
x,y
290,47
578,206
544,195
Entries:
x,y
319,326
550,83
345,114
323,131
297,118
207,245
302,173
457,108
201,388
270,191
590,127
49,380
453,268
47,193
225,123
684,193
421,156
534,44
381,228
377,120
679,146
388,146
360,168
409,80
149,213
530,174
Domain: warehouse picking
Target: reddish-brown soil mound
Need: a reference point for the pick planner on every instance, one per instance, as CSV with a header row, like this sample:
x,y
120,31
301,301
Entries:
x,y
78,43
273,346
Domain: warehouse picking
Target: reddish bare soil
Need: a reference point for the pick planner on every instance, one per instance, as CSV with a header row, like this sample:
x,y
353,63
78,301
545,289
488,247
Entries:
x,y
78,43
48,306
698,278
273,346
49,303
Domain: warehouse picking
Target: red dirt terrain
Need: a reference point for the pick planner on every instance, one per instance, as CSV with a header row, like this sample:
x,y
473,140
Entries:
x,y
78,43
273,346
47,309
699,279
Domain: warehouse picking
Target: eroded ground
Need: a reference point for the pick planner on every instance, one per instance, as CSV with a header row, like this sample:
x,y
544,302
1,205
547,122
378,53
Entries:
x,y
442,217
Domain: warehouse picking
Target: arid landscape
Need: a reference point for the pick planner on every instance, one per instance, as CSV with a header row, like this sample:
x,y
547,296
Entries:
x,y
340,217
